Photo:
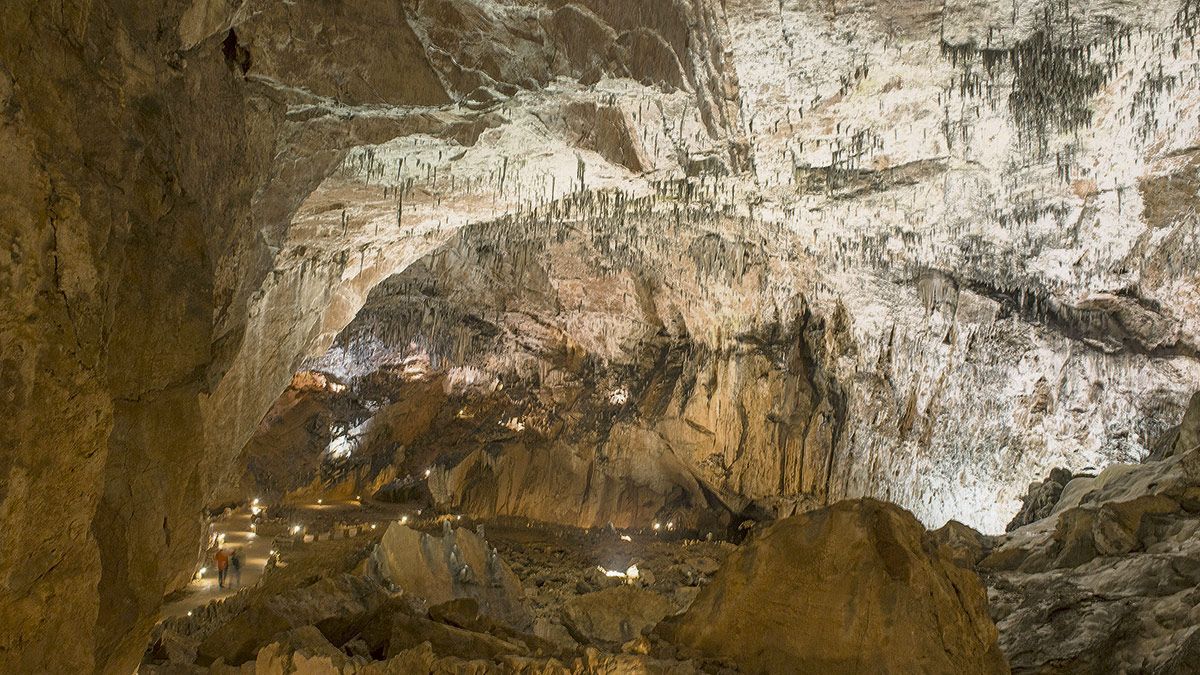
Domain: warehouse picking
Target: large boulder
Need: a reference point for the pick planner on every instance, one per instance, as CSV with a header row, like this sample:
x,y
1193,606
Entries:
x,y
337,607
855,587
965,544
614,615
459,564
1040,498
1110,581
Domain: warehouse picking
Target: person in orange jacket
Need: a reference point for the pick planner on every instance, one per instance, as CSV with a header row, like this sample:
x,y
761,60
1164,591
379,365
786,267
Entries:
x,y
222,560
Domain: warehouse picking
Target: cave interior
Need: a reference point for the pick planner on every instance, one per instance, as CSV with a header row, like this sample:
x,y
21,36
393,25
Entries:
x,y
600,336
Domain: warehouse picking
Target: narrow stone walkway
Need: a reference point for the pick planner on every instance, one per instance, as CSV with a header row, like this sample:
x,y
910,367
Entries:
x,y
255,551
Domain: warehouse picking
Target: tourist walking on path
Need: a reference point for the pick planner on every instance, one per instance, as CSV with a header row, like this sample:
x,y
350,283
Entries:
x,y
235,564
222,559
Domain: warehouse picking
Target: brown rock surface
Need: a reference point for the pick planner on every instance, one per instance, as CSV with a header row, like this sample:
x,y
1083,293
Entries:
x,y
614,615
853,587
338,608
459,564
158,291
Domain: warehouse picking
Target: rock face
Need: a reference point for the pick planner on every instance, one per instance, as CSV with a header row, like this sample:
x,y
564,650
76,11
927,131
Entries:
x,y
854,587
1183,438
1110,580
459,564
582,388
1189,429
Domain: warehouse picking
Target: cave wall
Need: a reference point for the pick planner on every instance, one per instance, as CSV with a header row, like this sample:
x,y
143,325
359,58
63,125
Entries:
x,y
160,290
985,184
586,386
112,227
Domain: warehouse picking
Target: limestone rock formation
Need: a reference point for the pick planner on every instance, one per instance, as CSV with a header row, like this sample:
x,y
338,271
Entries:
x,y
1109,581
854,587
1041,498
615,615
1183,438
459,564
338,607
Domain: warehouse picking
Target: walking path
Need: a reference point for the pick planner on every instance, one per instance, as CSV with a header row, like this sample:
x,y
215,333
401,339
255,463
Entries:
x,y
255,550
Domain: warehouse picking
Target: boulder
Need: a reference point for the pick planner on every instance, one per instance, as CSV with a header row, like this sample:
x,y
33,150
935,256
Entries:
x,y
965,544
855,587
408,632
302,650
1040,499
459,564
338,607
553,632
460,612
614,615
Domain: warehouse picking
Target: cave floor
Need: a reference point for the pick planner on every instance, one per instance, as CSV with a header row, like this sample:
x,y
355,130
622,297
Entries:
x,y
555,565
204,589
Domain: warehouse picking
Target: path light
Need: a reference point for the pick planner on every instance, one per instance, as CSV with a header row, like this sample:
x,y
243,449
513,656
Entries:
x,y
189,612
320,501
658,526
372,526
295,529
427,472
671,525
626,537
403,520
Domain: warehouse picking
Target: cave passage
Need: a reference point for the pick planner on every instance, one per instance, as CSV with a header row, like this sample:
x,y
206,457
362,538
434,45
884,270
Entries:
x,y
599,336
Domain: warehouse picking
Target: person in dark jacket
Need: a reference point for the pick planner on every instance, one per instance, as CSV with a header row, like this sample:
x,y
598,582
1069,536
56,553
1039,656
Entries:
x,y
235,564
